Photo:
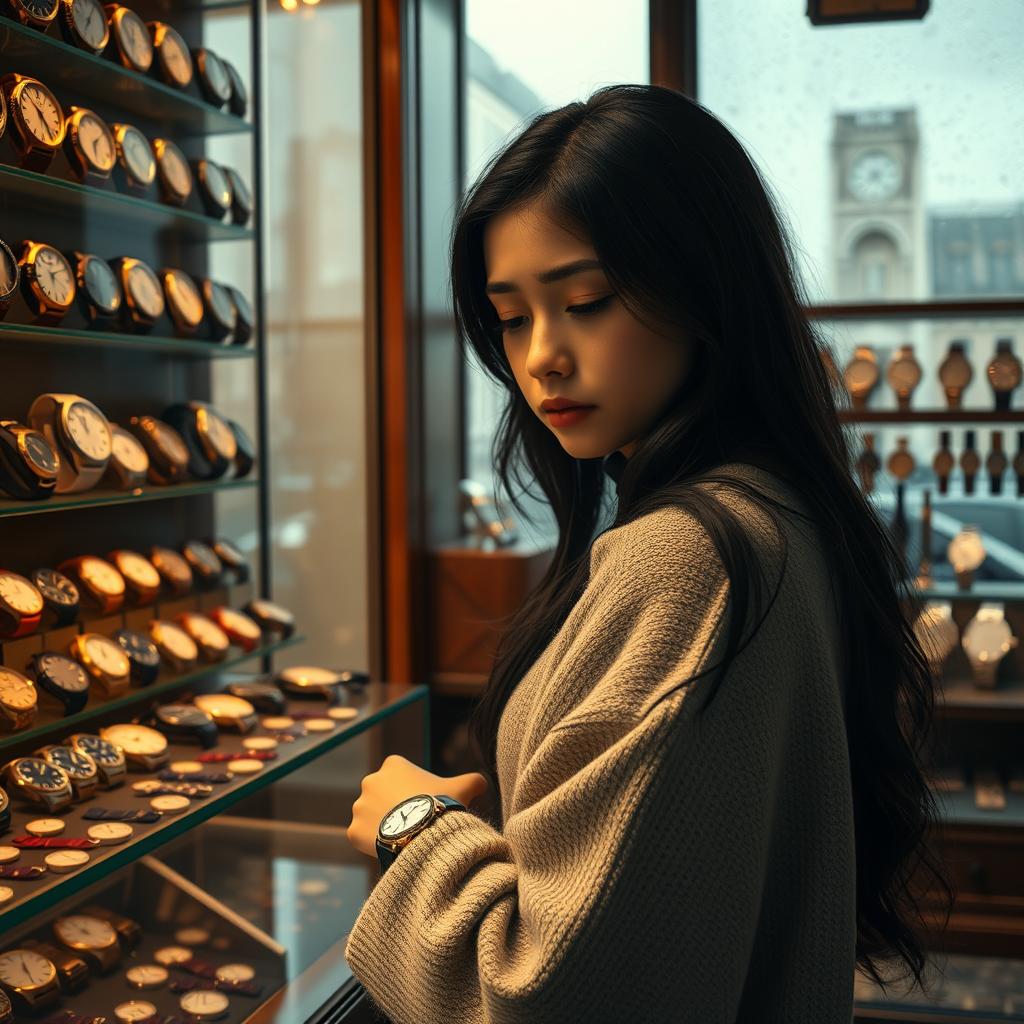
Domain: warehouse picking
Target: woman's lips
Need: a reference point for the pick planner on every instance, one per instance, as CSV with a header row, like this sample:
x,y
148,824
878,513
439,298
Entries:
x,y
569,417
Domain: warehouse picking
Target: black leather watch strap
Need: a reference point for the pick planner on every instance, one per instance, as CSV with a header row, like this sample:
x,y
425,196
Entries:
x,y
386,856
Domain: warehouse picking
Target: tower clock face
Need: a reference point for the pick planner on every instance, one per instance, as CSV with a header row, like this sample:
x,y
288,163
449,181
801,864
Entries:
x,y
874,176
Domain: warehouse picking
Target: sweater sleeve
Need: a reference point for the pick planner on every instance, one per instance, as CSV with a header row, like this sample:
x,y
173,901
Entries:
x,y
628,874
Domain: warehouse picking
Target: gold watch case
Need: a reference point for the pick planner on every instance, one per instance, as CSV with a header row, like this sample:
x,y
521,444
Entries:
x,y
132,44
48,281
172,57
90,146
104,660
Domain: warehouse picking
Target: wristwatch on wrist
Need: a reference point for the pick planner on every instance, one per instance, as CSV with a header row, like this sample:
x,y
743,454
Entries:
x,y
10,272
408,819
47,282
83,23
184,722
89,146
97,580
242,630
129,37
72,970
80,768
173,172
29,464
214,187
142,654
18,702
143,295
168,456
213,643
104,660
184,302
108,758
129,461
21,605
987,639
210,441
220,309
173,568
60,597
140,575
176,647
93,938
61,679
39,782
98,289
38,15
80,434
36,116
29,979
142,747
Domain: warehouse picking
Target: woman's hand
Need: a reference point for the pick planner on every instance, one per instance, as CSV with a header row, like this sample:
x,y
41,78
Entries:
x,y
396,780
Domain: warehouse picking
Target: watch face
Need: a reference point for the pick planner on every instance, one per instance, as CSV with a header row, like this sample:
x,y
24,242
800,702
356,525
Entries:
x,y
54,276
127,450
242,195
184,296
89,432
170,441
39,774
100,574
224,705
955,371
20,594
16,691
171,564
107,655
904,375
242,305
41,9
211,67
64,673
174,168
309,675
228,552
26,970
136,739
96,141
138,569
138,647
860,374
40,453
82,931
100,750
203,558
146,975
268,610
966,552
239,623
216,183
101,284
204,1003
987,640
183,714
174,640
236,973
217,432
41,113
9,272
1004,373
90,22
78,766
406,816
220,303
144,287
55,587
138,157
134,36
176,58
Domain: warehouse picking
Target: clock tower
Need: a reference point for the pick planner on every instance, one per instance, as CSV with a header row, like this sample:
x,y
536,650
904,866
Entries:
x,y
877,208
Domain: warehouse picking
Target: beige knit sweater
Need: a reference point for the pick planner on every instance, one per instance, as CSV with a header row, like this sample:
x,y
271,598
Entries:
x,y
649,867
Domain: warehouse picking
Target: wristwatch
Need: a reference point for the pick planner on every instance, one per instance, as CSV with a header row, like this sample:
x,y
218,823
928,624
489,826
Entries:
x,y
143,747
129,461
92,937
213,77
210,639
206,566
135,169
173,569
17,700
241,197
996,463
140,575
10,272
21,605
210,441
36,115
173,60
80,434
60,678
228,711
129,38
97,579
184,302
142,654
83,23
955,373
39,14
5,812
970,462
176,647
242,630
231,558
29,979
904,374
245,319
104,660
108,758
173,171
239,97
29,465
47,282
271,618
60,597
965,553
168,456
214,187
72,970
89,146
987,639
80,768
407,819
98,290
220,308
245,458
129,932
1004,373
144,297
309,681
262,696
39,782
900,463
184,722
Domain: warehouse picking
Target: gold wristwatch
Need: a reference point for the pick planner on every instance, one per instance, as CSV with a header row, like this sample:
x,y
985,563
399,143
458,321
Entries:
x,y
104,660
861,375
184,302
29,979
173,569
131,38
84,24
144,297
18,700
228,711
38,14
37,118
72,970
212,641
89,146
39,782
139,574
79,432
214,81
168,456
904,374
173,172
97,579
176,647
142,746
135,169
214,187
173,60
955,373
92,938
47,282
129,461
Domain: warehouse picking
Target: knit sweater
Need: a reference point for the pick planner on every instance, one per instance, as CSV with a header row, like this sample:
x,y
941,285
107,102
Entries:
x,y
651,865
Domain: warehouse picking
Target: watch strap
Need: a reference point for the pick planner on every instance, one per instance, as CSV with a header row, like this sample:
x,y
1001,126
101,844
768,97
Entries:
x,y
387,854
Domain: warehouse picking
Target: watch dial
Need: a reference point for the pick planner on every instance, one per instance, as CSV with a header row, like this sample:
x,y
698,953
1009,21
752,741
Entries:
x,y
16,691
36,772
224,705
20,594
184,295
96,141
107,656
8,271
146,975
54,275
216,75
63,672
182,714
138,647
41,9
41,113
243,305
175,640
102,575
140,570
217,184
136,739
904,375
204,1003
100,750
90,22
239,623
135,39
1005,374
209,634
88,429
138,156
171,564
241,192
310,675
221,305
40,453
145,289
236,973
218,433
860,374
177,60
228,552
78,766
101,284
405,816
128,450
175,169
84,931
55,586
25,969
170,440
203,557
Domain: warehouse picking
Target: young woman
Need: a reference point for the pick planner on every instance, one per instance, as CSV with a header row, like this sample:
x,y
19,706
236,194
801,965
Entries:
x,y
706,724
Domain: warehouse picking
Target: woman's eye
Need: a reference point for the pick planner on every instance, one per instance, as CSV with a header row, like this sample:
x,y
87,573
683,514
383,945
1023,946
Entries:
x,y
586,309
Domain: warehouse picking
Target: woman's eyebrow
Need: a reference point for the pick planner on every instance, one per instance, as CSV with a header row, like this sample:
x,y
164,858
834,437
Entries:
x,y
547,276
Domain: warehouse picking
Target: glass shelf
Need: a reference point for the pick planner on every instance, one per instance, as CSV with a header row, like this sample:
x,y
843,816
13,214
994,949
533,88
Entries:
x,y
115,339
89,499
82,76
375,703
932,416
56,196
984,590
47,723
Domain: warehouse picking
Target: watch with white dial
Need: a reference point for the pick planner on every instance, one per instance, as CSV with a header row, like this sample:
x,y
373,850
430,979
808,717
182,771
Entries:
x,y
172,57
229,712
213,643
29,979
987,639
140,575
83,24
309,681
37,118
79,432
18,700
108,758
965,553
47,282
135,169
103,659
406,820
89,145
98,580
129,461
90,937
143,747
144,296
214,80
173,172
129,38
21,605
176,647
184,302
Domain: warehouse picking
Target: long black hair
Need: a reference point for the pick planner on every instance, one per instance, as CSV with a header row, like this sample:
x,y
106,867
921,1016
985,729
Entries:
x,y
690,235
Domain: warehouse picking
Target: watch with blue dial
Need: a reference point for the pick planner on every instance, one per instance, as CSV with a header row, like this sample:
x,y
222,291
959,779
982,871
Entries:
x,y
108,758
39,782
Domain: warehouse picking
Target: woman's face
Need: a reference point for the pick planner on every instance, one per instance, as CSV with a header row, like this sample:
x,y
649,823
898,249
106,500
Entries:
x,y
603,357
